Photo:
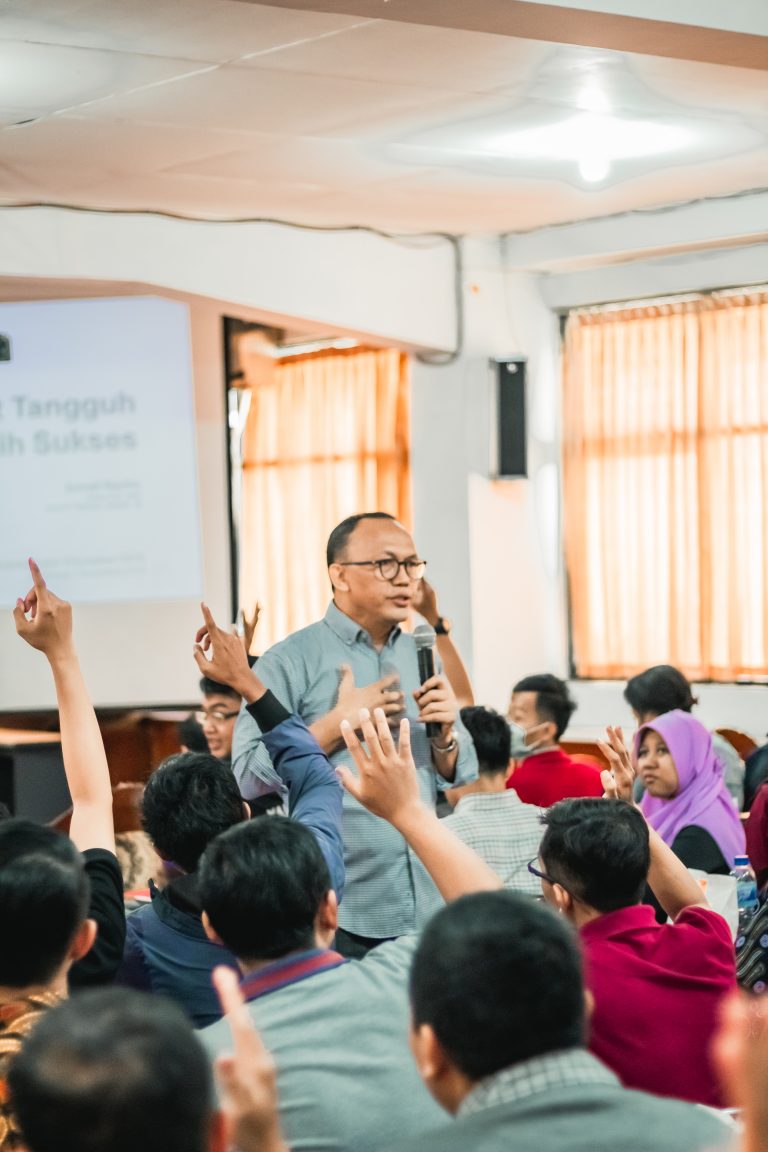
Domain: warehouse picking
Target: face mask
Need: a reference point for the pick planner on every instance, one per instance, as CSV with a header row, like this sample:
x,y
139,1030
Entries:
x,y
520,749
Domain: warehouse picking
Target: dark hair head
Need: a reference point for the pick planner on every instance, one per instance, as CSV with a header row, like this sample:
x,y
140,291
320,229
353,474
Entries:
x,y
339,538
112,1070
261,885
210,687
188,800
658,690
491,738
44,893
191,735
598,850
498,977
553,700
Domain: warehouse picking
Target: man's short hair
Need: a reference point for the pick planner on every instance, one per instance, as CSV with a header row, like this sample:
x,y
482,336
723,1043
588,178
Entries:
x,y
553,700
44,894
598,850
191,735
491,737
658,690
188,800
498,977
339,538
261,885
210,687
113,1070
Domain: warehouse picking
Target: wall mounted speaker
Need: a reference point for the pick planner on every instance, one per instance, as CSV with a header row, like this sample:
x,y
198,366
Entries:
x,y
512,455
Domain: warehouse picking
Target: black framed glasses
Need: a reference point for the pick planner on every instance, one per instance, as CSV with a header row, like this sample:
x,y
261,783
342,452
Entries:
x,y
216,716
389,568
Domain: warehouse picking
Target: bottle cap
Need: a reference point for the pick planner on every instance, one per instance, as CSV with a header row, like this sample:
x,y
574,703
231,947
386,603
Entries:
x,y
741,861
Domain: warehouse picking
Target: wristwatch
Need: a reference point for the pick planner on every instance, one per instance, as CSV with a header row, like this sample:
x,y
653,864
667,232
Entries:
x,y
442,626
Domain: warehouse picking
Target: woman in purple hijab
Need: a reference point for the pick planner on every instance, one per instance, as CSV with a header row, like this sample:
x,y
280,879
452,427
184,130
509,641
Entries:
x,y
686,799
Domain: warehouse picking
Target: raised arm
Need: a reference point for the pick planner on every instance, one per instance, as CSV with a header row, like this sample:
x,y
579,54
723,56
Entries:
x,y
314,793
386,785
425,603
668,878
45,622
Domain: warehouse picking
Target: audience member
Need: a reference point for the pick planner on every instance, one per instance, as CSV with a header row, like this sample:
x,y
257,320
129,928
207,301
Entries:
x,y
756,831
116,1071
657,988
217,716
664,689
191,799
498,1011
539,712
337,1029
685,799
191,735
358,657
755,774
55,893
503,830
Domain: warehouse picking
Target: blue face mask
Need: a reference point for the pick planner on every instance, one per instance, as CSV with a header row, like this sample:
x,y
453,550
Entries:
x,y
520,749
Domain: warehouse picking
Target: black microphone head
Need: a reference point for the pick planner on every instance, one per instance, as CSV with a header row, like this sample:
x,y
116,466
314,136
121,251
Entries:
x,y
424,636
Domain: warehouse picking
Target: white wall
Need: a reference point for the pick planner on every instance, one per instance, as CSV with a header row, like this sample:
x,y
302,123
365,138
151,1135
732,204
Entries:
x,y
494,547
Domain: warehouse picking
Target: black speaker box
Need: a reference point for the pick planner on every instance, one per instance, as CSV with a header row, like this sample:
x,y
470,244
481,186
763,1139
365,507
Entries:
x,y
510,418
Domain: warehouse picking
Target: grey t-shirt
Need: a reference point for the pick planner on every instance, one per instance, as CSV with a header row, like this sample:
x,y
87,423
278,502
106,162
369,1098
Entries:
x,y
347,1081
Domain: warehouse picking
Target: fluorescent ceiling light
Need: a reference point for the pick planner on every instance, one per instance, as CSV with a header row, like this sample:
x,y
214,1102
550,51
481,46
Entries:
x,y
305,348
590,135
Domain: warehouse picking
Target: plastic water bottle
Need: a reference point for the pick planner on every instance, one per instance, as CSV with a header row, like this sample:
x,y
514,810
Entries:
x,y
746,891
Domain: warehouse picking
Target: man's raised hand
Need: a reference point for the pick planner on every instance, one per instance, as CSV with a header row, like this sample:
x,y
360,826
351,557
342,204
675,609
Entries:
x,y
220,655
43,620
247,1078
386,782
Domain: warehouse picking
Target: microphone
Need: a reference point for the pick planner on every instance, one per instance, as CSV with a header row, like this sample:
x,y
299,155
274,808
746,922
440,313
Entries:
x,y
424,638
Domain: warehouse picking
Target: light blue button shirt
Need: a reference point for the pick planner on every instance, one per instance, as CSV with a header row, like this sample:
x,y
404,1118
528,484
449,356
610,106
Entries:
x,y
388,891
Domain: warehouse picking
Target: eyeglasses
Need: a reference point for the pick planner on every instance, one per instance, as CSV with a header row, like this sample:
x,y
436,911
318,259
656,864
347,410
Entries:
x,y
535,871
216,717
389,568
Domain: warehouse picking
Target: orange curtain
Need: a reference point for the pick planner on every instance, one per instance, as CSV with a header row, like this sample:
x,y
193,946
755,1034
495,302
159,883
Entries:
x,y
328,435
665,431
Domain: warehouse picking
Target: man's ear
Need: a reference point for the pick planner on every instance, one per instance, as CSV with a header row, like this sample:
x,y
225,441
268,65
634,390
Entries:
x,y
427,1052
327,919
563,900
246,811
83,940
210,931
338,577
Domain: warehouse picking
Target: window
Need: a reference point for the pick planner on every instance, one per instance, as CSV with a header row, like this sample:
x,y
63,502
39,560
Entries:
x,y
327,435
665,432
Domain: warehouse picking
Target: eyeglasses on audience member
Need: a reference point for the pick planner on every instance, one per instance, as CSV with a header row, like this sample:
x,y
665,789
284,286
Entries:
x,y
215,716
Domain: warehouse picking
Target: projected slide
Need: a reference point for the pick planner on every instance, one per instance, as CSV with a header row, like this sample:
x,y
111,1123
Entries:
x,y
98,477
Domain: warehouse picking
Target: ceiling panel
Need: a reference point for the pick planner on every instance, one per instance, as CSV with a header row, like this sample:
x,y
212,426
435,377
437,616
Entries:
x,y
195,29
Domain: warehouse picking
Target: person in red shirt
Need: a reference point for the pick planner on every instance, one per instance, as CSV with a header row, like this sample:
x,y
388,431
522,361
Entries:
x,y
657,988
539,712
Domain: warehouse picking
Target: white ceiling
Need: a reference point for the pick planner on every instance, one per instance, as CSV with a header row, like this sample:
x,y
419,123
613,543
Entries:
x,y
225,108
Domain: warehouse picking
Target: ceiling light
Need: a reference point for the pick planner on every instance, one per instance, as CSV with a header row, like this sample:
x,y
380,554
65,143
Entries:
x,y
590,134
594,168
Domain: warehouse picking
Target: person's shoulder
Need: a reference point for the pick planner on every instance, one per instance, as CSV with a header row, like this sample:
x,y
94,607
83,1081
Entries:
x,y
296,642
703,920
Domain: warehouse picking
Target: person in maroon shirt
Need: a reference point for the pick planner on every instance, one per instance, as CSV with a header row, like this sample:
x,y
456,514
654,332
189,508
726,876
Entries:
x,y
657,988
539,712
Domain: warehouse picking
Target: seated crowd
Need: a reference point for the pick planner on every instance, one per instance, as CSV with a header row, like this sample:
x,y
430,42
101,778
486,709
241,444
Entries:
x,y
541,965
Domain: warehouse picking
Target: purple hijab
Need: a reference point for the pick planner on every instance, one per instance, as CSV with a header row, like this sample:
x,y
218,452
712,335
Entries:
x,y
703,798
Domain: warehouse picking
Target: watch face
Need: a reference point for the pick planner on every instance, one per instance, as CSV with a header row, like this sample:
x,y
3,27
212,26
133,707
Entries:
x,y
443,626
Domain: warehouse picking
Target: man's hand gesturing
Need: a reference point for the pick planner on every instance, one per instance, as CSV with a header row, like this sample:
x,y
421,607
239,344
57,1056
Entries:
x,y
386,782
221,656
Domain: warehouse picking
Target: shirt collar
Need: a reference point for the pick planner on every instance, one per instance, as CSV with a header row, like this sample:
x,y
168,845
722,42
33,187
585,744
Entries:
x,y
613,923
488,799
570,1068
349,630
289,970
